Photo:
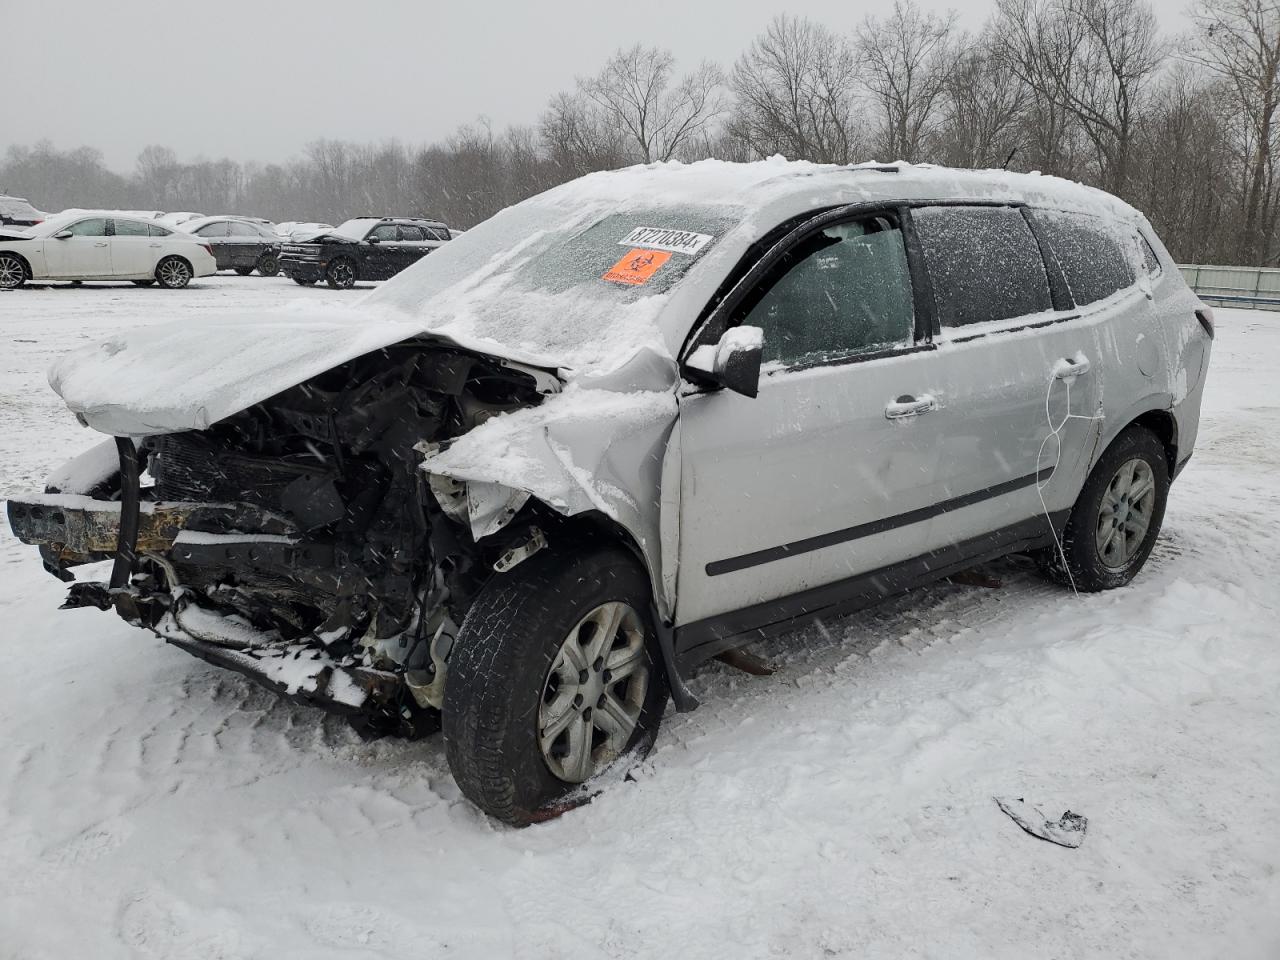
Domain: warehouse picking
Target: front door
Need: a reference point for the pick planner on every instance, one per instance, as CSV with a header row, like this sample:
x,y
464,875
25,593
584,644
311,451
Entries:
x,y
84,254
382,256
830,472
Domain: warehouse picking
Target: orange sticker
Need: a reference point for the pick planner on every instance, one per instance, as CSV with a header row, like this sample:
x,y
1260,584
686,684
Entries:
x,y
637,266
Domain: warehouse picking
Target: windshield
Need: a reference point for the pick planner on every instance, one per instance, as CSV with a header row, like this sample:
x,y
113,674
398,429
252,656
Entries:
x,y
578,283
354,229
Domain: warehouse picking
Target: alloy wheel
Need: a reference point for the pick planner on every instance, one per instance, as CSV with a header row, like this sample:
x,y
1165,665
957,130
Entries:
x,y
1125,515
594,693
174,273
11,273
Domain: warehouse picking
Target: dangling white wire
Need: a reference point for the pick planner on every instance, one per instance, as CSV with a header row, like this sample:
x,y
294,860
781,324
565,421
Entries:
x,y
1055,434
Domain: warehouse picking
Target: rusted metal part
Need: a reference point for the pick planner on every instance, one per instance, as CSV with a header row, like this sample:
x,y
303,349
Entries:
x,y
75,526
746,662
975,578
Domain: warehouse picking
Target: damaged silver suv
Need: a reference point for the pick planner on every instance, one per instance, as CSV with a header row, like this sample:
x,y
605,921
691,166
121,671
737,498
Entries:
x,y
647,417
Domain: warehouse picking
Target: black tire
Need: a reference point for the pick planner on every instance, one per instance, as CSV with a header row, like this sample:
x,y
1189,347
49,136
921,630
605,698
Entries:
x,y
268,265
13,271
303,281
142,283
340,273
243,271
173,273
500,671
1085,566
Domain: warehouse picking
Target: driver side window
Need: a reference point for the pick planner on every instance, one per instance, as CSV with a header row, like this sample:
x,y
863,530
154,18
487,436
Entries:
x,y
843,291
386,232
95,227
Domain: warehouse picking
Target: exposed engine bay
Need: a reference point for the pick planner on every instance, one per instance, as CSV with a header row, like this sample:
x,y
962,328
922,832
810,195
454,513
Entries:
x,y
301,542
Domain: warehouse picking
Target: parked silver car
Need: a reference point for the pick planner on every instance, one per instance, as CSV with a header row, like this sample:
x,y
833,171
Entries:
x,y
634,422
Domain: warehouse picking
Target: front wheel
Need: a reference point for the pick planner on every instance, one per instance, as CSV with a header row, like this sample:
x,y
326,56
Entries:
x,y
13,272
174,273
552,679
340,274
1117,517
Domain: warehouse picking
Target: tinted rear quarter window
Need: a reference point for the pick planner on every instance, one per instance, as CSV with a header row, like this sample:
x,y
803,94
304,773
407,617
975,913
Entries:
x,y
1091,253
983,262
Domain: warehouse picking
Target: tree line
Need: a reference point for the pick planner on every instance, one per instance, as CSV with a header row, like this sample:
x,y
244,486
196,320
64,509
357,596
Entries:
x,y
1184,127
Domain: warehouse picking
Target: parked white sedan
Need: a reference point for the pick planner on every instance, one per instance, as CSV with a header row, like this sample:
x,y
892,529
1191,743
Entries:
x,y
98,247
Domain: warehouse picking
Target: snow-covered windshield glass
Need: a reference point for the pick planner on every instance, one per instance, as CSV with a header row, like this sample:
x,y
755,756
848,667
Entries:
x,y
576,283
354,229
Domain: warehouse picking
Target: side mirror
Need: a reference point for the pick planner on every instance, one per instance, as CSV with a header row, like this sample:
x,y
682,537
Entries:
x,y
63,235
373,239
733,363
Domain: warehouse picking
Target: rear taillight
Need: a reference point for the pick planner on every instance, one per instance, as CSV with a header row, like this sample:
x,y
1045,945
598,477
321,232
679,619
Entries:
x,y
207,249
1205,316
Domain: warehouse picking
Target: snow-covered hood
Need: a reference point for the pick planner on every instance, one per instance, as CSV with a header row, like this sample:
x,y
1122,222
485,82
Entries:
x,y
191,374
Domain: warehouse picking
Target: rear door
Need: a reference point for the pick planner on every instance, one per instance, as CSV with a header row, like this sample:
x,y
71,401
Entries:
x,y
133,249
86,253
243,244
1018,380
415,243
827,475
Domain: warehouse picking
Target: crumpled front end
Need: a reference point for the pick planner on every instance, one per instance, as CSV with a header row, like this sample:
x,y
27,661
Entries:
x,y
299,541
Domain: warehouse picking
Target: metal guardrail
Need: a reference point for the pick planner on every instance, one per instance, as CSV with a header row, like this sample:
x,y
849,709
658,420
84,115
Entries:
x,y
1253,287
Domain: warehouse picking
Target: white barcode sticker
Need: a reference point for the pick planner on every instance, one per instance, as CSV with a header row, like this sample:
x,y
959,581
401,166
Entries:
x,y
659,238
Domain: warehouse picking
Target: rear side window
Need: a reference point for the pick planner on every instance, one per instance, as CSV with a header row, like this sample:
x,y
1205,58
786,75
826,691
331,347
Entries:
x,y
213,230
155,230
1090,252
842,291
984,264
130,228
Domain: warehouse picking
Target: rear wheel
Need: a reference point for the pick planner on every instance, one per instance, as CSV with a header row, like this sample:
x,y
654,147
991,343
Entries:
x,y
243,271
174,273
340,274
268,265
1117,517
552,680
13,272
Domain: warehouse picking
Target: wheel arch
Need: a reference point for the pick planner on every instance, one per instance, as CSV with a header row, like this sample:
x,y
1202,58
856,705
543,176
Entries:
x,y
1156,414
26,264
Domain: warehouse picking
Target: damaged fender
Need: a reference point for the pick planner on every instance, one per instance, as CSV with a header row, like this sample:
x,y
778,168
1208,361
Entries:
x,y
599,446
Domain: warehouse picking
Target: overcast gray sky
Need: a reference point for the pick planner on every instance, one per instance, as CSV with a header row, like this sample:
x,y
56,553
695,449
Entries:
x,y
257,79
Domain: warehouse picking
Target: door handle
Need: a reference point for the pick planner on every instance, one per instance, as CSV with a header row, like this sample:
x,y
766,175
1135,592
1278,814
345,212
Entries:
x,y
908,406
102,244
155,244
1069,367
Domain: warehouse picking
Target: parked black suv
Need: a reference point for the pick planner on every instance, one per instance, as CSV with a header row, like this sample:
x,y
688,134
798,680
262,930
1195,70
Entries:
x,y
16,212
366,248
239,243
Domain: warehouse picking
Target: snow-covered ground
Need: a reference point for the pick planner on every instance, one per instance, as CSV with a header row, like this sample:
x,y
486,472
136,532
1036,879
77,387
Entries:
x,y
153,806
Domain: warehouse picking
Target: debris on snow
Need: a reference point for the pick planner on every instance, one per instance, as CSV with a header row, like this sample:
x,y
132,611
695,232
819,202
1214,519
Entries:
x,y
1067,831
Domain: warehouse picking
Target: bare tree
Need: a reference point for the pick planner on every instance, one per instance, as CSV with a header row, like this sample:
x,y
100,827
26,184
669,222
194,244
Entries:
x,y
658,118
576,138
981,109
795,93
908,57
1240,41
